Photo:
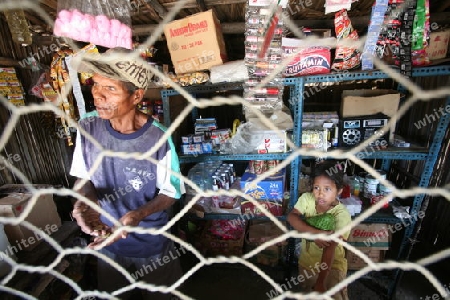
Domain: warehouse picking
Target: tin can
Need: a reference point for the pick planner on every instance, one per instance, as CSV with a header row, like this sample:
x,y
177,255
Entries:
x,y
271,164
384,190
370,186
251,167
259,166
374,199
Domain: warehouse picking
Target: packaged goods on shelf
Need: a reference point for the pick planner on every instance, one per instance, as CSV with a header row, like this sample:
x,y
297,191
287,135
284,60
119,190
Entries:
x,y
264,29
220,136
232,71
220,205
259,167
420,34
372,239
10,87
187,79
271,187
275,207
346,57
260,232
272,141
103,23
203,125
315,138
438,46
197,148
223,237
306,60
196,42
376,22
212,175
353,204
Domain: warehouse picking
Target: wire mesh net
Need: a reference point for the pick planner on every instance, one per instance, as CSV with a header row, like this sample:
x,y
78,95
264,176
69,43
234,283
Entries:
x,y
351,155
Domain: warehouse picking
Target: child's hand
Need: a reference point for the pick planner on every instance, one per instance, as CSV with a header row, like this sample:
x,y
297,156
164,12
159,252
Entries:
x,y
323,243
320,287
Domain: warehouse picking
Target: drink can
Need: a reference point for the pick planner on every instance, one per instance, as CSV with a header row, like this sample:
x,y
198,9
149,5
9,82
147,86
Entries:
x,y
259,166
271,164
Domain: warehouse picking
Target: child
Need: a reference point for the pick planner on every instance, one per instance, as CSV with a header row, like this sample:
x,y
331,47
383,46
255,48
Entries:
x,y
322,263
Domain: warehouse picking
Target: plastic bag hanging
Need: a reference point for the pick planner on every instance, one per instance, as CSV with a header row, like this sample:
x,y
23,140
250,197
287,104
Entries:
x,y
101,22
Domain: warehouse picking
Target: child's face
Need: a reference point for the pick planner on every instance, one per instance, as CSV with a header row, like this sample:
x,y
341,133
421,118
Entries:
x,y
325,191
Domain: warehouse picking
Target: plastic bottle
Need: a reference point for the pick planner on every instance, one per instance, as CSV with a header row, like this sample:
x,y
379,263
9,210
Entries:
x,y
356,186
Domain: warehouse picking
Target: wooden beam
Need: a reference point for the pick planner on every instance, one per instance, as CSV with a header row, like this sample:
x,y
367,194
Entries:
x,y
443,6
239,28
33,19
202,5
227,28
160,9
209,3
8,62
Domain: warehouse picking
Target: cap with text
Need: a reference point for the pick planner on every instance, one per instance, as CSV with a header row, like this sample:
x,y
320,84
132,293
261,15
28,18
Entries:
x,y
117,63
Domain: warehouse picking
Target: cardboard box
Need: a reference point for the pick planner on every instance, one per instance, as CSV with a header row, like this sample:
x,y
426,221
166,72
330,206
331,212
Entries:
x,y
438,44
270,188
369,236
43,215
369,102
260,232
354,262
372,239
196,42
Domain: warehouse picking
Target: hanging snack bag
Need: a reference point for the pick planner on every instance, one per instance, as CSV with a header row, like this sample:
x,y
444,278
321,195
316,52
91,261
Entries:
x,y
105,23
420,34
347,57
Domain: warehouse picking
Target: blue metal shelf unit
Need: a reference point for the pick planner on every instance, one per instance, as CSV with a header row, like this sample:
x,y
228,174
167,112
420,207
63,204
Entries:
x,y
297,89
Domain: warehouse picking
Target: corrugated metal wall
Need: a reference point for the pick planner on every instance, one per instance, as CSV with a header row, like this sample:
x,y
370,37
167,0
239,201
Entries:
x,y
33,147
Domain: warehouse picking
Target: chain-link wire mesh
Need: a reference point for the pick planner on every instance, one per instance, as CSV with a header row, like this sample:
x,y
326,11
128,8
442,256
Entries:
x,y
415,92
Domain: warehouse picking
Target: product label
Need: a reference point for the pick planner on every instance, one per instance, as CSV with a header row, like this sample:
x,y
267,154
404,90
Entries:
x,y
189,28
310,64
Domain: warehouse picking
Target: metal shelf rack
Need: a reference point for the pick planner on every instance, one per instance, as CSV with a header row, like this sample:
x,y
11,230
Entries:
x,y
297,88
